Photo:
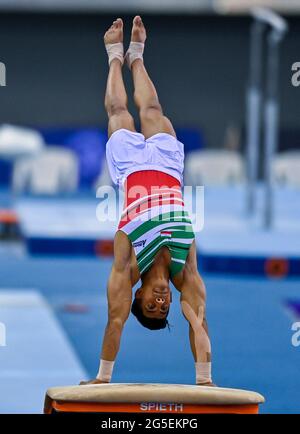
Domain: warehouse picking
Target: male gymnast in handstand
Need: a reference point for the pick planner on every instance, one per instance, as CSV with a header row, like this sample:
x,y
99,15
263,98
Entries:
x,y
154,242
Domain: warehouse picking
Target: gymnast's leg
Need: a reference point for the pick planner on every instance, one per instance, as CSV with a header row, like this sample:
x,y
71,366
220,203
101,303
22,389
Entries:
x,y
116,97
152,118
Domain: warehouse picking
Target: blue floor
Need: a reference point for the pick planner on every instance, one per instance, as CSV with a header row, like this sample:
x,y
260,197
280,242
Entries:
x,y
227,229
249,326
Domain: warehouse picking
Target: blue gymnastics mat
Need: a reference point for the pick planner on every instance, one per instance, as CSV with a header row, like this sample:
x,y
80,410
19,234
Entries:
x,y
230,241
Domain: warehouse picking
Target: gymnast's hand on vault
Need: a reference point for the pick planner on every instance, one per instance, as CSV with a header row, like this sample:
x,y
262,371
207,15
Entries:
x,y
95,381
210,384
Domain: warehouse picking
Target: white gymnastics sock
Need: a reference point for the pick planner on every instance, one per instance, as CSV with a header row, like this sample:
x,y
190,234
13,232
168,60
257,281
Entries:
x,y
115,51
203,372
135,51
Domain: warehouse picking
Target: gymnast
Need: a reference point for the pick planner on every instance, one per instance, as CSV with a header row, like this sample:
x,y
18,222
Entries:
x,y
155,242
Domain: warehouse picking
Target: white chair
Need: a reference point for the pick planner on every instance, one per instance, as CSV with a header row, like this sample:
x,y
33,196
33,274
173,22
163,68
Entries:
x,y
214,167
286,169
53,171
18,142
104,177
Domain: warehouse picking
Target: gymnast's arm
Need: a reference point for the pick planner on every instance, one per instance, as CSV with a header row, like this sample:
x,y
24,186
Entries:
x,y
119,295
193,300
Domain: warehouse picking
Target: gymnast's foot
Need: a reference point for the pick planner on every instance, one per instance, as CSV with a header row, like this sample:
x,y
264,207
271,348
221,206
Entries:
x,y
137,43
95,381
115,33
138,32
113,40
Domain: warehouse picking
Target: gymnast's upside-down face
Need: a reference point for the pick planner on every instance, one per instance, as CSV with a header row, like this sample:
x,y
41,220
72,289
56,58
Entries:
x,y
154,301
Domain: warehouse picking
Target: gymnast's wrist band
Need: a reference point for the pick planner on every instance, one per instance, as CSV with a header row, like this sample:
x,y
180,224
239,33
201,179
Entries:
x,y
203,372
105,370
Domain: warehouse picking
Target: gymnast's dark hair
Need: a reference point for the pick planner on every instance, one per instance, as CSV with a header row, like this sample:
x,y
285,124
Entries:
x,y
149,323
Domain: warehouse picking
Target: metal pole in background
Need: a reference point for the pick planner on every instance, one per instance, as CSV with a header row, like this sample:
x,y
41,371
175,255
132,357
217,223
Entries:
x,y
253,100
271,121
263,17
